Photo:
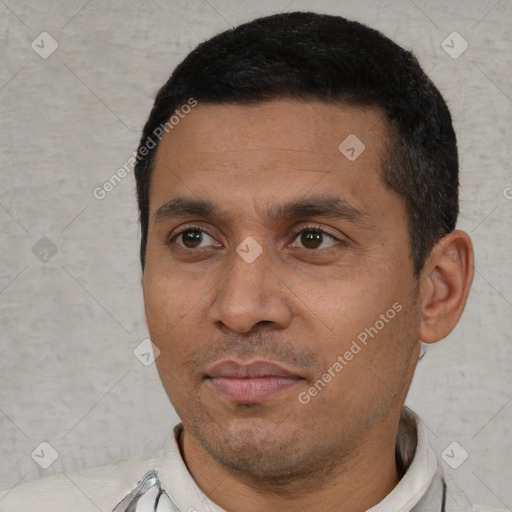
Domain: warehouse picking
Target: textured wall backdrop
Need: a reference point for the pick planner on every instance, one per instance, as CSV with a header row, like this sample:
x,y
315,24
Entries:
x,y
77,81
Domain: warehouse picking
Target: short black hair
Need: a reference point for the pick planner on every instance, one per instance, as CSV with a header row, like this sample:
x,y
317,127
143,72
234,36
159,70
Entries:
x,y
311,56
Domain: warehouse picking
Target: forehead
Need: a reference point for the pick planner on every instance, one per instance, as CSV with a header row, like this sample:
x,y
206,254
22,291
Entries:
x,y
271,151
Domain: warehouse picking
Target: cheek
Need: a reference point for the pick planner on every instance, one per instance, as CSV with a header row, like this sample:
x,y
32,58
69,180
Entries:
x,y
345,303
370,318
368,364
170,297
172,313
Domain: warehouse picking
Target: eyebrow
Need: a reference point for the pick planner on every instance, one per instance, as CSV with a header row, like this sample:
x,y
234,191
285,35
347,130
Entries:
x,y
329,207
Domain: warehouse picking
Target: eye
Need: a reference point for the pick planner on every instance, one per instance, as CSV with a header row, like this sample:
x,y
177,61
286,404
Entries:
x,y
315,238
193,238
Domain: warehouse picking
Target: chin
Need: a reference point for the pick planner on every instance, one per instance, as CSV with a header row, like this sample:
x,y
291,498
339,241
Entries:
x,y
253,446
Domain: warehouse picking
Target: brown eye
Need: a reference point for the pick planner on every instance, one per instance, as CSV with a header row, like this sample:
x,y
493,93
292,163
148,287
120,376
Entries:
x,y
311,240
193,238
315,239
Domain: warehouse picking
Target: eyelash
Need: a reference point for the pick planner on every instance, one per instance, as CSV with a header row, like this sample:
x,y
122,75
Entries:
x,y
296,233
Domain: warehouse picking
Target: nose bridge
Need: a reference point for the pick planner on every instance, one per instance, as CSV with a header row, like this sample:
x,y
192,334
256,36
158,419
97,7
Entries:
x,y
249,293
247,282
245,276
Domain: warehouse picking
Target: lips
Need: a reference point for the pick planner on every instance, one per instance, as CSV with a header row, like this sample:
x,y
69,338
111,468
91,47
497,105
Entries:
x,y
250,383
253,370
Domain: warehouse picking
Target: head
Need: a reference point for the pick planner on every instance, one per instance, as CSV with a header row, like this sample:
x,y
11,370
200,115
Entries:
x,y
300,210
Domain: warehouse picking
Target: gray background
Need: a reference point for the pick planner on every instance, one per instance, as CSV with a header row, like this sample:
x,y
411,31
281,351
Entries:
x,y
71,320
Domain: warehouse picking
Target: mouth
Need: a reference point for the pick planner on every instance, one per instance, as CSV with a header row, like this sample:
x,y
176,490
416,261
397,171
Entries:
x,y
250,383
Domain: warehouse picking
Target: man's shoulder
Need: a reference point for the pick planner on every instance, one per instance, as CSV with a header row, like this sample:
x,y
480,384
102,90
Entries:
x,y
91,489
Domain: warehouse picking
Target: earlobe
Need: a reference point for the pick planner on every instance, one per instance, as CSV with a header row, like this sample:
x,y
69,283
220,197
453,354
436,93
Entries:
x,y
446,281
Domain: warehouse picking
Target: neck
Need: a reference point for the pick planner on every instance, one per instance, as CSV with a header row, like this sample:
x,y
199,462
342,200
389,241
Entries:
x,y
353,482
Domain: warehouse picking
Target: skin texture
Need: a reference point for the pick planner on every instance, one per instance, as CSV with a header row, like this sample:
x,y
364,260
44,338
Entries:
x,y
300,303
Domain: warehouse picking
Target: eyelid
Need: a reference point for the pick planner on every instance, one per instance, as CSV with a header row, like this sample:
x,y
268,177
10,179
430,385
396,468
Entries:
x,y
318,229
189,227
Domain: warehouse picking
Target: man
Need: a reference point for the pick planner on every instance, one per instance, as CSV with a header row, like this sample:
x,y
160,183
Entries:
x,y
297,183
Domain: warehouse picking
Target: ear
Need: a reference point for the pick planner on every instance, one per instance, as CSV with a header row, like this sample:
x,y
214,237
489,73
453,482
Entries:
x,y
445,283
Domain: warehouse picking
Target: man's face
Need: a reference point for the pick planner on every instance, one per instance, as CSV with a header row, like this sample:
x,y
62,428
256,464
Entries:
x,y
334,278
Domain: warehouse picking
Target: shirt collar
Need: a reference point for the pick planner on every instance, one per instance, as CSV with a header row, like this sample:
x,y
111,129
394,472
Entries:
x,y
412,445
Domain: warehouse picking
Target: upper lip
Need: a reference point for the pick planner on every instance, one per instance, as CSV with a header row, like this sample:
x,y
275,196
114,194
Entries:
x,y
234,369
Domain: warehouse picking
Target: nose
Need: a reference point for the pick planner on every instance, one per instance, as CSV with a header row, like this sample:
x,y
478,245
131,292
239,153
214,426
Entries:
x,y
250,294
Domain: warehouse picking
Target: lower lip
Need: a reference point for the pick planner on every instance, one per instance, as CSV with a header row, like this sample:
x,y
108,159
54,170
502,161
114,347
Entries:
x,y
252,389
